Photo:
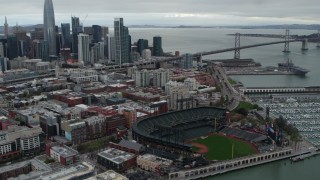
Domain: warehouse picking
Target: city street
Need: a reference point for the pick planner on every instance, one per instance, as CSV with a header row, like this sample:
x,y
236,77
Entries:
x,y
231,96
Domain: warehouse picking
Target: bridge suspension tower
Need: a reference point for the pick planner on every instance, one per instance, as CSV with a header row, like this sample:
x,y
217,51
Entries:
x,y
318,44
286,39
304,45
237,46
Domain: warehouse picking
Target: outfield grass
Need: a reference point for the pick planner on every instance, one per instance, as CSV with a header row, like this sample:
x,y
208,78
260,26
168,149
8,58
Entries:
x,y
220,147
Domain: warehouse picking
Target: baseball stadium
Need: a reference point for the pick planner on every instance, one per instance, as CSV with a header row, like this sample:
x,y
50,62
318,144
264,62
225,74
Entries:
x,y
200,130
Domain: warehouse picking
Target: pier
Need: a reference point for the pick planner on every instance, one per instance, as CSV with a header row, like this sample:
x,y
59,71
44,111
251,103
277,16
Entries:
x,y
232,165
270,90
258,72
304,156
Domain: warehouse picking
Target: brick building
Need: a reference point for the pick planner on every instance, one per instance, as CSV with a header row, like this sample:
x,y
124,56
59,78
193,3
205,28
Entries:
x,y
74,131
153,163
128,146
22,168
63,154
113,122
96,127
130,116
94,89
141,96
107,111
117,87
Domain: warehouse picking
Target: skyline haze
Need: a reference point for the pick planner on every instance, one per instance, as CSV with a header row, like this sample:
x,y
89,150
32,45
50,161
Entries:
x,y
179,12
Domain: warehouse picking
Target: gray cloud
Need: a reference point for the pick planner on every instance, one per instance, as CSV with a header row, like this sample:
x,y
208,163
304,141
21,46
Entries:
x,y
168,12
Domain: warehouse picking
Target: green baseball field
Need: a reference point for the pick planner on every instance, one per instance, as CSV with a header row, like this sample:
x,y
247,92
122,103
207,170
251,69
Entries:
x,y
219,147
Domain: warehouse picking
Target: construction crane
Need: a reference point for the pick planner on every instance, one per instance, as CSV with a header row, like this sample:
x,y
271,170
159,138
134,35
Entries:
x,y
84,19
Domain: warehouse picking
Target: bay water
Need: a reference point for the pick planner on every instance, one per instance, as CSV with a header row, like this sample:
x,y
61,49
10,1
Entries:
x,y
192,40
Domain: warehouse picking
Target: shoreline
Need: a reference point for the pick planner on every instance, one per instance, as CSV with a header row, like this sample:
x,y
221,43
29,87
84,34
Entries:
x,y
238,164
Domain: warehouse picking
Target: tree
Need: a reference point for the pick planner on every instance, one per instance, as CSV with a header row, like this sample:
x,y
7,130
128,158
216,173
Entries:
x,y
295,137
242,111
281,123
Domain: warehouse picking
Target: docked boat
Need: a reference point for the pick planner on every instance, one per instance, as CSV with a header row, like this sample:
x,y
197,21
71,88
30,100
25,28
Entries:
x,y
304,156
289,66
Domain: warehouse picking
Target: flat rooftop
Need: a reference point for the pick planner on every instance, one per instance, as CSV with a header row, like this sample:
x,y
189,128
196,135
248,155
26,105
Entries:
x,y
116,156
156,159
39,169
68,173
109,175
64,151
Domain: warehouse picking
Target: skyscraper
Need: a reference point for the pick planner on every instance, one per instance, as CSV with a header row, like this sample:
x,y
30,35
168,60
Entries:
x,y
157,46
142,44
96,33
186,62
121,35
3,64
83,49
43,52
66,38
76,29
1,50
105,32
12,46
75,23
111,48
6,27
49,26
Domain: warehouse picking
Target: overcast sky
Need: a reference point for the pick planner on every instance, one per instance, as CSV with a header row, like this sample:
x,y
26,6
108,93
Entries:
x,y
167,12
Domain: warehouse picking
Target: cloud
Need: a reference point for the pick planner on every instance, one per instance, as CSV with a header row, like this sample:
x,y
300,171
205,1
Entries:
x,y
168,12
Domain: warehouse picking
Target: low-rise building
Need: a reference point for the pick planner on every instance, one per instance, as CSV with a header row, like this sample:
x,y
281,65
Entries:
x,y
74,131
30,169
128,146
114,122
63,154
108,175
21,140
36,65
117,87
5,122
153,163
84,75
17,74
141,96
116,159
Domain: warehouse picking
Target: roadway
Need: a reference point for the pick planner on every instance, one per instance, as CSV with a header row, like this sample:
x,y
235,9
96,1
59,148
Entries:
x,y
226,88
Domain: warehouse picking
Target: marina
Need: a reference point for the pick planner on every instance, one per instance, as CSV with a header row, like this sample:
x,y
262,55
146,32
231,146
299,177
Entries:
x,y
304,115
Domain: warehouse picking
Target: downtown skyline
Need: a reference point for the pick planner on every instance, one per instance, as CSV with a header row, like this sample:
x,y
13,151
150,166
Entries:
x,y
167,13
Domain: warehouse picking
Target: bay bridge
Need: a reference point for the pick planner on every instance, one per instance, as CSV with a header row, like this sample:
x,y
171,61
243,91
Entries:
x,y
198,56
